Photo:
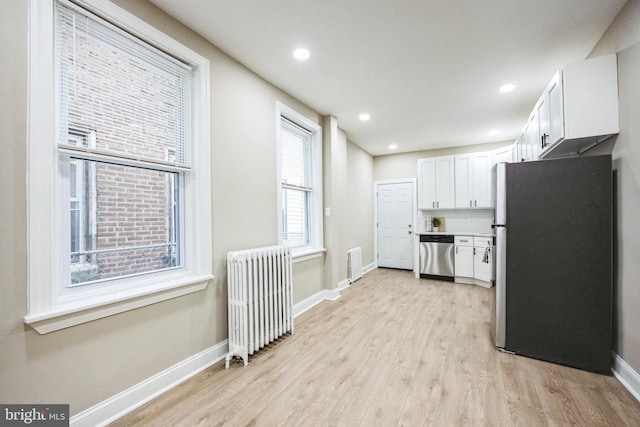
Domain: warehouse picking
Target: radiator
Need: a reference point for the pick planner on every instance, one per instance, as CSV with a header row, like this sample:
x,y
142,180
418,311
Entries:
x,y
354,264
259,286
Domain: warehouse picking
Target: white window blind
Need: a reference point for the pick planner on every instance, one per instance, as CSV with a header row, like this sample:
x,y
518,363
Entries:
x,y
136,98
296,183
296,168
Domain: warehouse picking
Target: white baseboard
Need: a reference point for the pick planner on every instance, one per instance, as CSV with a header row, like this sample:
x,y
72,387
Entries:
x,y
629,378
344,284
315,299
308,303
368,268
128,400
472,281
331,294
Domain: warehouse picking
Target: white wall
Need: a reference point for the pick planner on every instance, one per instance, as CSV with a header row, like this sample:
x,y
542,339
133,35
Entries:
x,y
623,36
360,202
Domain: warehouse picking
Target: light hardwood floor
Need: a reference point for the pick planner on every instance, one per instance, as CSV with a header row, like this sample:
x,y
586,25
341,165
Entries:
x,y
393,350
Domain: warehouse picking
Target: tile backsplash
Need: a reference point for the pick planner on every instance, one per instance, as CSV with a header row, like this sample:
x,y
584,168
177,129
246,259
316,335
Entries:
x,y
460,220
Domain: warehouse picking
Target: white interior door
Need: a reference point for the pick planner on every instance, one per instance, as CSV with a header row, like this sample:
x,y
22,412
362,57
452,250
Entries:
x,y
395,225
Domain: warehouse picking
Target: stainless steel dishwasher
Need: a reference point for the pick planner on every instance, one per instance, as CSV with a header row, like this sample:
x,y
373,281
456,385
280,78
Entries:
x,y
436,257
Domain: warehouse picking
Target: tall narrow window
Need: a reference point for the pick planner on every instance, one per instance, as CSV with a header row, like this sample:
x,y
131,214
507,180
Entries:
x,y
119,208
296,184
300,221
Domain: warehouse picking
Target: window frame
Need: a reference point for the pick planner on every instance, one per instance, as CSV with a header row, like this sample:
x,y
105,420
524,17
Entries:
x,y
315,247
49,308
89,137
305,188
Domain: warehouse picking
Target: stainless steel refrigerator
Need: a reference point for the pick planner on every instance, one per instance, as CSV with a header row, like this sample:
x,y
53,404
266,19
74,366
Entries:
x,y
553,295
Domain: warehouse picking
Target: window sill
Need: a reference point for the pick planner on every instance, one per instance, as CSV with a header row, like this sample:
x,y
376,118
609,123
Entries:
x,y
68,315
307,254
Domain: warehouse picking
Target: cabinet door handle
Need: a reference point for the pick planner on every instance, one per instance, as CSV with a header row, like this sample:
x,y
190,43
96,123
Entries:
x,y
456,249
470,203
475,203
433,204
437,204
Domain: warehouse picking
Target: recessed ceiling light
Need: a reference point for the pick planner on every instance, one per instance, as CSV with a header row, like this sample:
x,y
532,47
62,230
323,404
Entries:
x,y
364,117
507,88
301,54
393,146
494,132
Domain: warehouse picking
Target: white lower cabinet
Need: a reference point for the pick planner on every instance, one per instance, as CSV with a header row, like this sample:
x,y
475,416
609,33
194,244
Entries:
x,y
463,256
483,259
481,269
474,260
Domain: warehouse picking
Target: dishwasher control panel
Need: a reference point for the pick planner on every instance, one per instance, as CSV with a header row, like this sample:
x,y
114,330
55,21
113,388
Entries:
x,y
439,238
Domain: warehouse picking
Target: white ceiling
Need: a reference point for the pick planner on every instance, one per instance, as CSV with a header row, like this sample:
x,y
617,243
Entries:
x,y
427,71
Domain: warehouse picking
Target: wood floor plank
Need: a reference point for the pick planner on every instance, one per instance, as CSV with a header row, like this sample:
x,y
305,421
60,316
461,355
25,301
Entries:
x,y
393,350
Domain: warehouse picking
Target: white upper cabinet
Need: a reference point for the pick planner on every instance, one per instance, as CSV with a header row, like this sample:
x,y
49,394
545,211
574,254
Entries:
x,y
544,125
427,183
436,183
581,107
481,179
532,136
519,146
463,180
501,155
554,131
473,180
445,178
577,110
528,142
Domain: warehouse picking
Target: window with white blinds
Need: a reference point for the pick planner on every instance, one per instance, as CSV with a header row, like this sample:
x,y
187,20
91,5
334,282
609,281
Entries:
x,y
119,173
296,183
134,102
300,179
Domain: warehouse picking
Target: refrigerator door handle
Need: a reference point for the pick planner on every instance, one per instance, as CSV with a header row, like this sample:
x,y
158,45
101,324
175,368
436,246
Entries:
x,y
501,287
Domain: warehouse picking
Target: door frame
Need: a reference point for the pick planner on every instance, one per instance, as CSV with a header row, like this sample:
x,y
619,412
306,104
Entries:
x,y
414,217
